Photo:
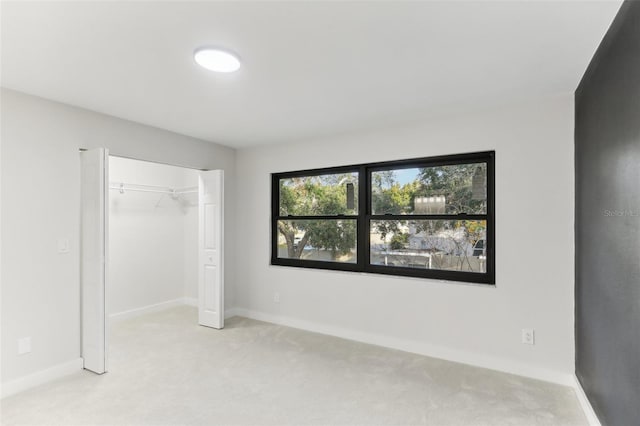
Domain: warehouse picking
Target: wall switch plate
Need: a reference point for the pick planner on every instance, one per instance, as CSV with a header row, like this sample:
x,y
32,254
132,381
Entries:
x,y
528,336
276,297
24,345
63,245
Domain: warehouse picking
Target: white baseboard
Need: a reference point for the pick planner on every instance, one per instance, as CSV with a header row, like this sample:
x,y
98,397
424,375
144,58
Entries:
x,y
231,312
132,313
422,348
228,313
190,301
585,403
41,377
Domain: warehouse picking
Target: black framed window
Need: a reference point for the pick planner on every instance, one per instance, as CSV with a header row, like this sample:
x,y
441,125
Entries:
x,y
425,217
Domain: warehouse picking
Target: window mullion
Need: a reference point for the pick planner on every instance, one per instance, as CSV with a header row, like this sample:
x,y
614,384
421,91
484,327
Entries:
x,y
409,217
363,207
323,217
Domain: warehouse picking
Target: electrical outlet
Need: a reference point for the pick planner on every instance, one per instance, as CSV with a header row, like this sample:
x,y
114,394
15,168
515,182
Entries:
x,y
528,336
24,345
276,297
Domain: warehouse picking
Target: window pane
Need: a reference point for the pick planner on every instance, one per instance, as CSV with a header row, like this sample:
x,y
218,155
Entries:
x,y
454,189
319,195
453,245
332,240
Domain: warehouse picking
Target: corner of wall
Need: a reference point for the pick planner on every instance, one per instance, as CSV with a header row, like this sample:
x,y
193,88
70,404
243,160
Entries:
x,y
585,404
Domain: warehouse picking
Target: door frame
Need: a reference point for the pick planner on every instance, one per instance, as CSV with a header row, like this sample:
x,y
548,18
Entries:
x,y
101,304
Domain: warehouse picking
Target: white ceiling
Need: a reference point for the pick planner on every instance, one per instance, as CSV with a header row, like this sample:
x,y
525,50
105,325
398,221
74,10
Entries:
x,y
309,68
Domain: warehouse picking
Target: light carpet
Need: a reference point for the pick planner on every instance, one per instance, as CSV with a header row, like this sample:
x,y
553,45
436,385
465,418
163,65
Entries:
x,y
166,370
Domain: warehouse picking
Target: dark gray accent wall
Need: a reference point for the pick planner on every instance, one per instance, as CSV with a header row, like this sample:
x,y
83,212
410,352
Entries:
x,y
607,149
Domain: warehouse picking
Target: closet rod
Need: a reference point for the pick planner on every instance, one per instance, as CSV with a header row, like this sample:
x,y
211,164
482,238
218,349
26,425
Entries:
x,y
187,190
122,187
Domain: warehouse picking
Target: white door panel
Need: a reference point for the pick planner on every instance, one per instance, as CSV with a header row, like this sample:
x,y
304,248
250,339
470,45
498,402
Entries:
x,y
210,264
210,231
95,220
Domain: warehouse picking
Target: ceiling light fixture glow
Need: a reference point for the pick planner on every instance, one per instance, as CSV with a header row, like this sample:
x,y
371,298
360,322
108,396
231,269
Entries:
x,y
216,59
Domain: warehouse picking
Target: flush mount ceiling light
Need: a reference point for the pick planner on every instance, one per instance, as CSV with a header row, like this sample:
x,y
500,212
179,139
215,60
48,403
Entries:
x,y
216,59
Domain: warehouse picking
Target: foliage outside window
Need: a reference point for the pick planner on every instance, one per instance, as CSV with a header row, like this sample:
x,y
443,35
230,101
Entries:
x,y
427,217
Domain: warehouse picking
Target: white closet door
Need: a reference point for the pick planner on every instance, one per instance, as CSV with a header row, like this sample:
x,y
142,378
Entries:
x,y
94,187
211,251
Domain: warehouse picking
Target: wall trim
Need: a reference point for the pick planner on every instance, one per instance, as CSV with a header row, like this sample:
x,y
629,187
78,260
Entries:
x,y
41,377
413,346
182,301
587,408
231,312
190,301
228,313
156,307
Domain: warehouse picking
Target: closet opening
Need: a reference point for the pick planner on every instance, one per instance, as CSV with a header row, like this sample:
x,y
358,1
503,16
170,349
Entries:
x,y
153,237
152,248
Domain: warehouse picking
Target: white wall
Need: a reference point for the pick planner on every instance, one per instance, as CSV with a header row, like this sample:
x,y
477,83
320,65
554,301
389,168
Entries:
x,y
40,204
475,324
469,323
190,252
147,235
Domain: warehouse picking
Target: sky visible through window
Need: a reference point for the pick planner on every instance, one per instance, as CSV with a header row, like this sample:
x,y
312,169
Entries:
x,y
404,176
